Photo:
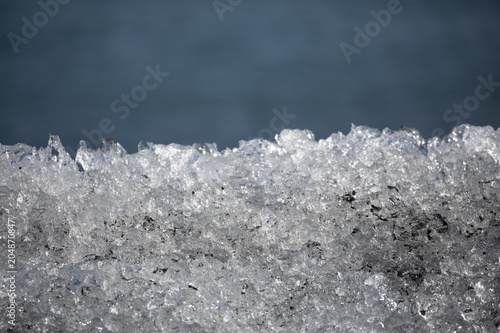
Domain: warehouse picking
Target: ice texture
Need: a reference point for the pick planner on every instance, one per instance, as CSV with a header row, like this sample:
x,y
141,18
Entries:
x,y
374,231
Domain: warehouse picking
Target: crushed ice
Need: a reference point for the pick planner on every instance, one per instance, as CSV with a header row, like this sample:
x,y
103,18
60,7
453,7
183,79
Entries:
x,y
366,232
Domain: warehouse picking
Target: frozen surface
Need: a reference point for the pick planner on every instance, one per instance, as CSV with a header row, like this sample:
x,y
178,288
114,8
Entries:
x,y
366,232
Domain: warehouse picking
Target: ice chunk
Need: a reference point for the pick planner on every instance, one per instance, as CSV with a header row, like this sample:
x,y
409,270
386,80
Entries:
x,y
373,231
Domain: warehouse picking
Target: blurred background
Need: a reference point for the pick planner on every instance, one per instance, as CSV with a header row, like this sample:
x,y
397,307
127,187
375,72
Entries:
x,y
239,69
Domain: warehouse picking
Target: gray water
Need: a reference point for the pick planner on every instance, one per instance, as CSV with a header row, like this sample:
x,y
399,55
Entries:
x,y
227,76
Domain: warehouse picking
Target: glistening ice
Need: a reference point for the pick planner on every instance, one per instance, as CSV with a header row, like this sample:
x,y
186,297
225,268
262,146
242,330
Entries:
x,y
374,231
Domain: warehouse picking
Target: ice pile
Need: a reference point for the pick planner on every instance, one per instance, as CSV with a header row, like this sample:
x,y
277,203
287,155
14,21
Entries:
x,y
366,232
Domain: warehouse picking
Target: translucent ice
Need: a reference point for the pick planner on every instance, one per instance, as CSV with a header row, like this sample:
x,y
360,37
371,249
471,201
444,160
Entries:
x,y
366,232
